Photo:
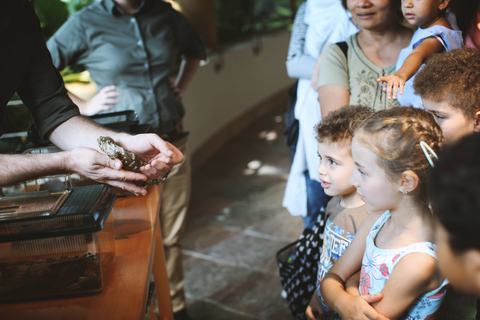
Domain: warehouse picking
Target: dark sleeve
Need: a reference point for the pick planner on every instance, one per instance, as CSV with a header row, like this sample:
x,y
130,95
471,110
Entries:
x,y
68,44
190,43
42,89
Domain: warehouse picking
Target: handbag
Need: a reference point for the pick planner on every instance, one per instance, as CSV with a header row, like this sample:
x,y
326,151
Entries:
x,y
298,267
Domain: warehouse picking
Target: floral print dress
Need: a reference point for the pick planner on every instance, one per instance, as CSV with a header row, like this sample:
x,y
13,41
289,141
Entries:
x,y
378,264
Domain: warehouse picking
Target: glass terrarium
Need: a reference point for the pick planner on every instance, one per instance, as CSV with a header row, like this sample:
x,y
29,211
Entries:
x,y
55,243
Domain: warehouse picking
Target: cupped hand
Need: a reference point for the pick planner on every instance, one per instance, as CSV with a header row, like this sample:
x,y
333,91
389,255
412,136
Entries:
x,y
315,309
359,308
160,156
102,101
393,83
96,166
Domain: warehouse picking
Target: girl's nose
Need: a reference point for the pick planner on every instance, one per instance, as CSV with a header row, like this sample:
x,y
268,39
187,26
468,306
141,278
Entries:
x,y
353,179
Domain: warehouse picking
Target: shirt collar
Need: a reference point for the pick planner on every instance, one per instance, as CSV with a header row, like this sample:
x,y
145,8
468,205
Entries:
x,y
115,10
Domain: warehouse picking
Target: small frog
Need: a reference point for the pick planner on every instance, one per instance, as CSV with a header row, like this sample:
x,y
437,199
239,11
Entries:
x,y
129,159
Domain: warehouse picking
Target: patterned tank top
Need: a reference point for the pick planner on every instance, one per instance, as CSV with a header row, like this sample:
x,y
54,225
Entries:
x,y
378,264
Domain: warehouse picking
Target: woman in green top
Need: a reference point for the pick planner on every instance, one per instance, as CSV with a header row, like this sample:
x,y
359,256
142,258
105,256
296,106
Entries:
x,y
351,77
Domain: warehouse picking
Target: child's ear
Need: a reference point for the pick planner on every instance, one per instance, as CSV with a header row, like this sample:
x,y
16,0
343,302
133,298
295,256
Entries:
x,y
409,181
476,127
444,4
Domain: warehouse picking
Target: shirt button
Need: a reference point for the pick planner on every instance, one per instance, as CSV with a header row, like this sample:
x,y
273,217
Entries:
x,y
145,65
150,91
139,43
132,20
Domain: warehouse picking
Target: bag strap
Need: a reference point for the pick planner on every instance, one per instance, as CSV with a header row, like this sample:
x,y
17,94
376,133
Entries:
x,y
344,47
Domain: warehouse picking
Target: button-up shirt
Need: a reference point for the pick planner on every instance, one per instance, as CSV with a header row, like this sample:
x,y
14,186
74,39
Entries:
x,y
26,67
137,53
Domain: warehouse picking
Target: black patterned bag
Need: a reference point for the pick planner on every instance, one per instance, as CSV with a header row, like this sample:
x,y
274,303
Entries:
x,y
298,267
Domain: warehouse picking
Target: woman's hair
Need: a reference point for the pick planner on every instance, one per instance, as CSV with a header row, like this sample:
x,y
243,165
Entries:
x,y
453,77
394,135
339,126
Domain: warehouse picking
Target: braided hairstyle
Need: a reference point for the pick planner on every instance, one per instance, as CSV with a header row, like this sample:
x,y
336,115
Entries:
x,y
394,135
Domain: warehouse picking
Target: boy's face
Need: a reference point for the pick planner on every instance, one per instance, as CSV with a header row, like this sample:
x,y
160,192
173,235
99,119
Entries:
x,y
336,166
453,122
462,270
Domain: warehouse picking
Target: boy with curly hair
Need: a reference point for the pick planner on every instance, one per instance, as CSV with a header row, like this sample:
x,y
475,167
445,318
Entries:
x,y
346,211
449,85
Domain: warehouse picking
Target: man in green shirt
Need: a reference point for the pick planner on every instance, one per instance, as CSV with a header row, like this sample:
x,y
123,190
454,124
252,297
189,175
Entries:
x,y
131,48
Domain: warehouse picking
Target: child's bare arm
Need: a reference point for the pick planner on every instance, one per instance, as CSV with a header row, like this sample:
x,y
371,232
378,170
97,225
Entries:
x,y
413,276
315,308
351,286
396,82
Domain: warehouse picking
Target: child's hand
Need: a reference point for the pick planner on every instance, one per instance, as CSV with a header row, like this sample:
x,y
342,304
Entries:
x,y
315,309
390,82
359,307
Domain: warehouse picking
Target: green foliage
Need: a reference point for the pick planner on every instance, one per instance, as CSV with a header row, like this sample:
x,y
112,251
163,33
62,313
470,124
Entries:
x,y
53,13
237,19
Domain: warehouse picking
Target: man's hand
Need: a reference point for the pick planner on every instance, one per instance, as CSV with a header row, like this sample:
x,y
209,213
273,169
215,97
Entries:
x,y
102,101
93,165
392,82
359,308
159,155
315,309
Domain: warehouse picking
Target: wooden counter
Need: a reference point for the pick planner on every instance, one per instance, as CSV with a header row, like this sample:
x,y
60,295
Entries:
x,y
124,295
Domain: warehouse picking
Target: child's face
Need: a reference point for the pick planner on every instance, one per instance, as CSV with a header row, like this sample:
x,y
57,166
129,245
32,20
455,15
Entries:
x,y
453,122
460,269
336,166
421,12
373,185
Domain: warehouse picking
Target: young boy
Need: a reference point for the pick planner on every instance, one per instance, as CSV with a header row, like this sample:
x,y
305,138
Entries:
x,y
345,211
449,85
454,188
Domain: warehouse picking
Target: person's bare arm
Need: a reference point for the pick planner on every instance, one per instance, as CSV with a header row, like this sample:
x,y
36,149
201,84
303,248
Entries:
x,y
187,71
102,101
413,276
396,82
351,285
332,97
159,155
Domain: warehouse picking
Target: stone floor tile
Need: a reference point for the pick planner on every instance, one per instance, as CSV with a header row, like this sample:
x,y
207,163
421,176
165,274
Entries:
x,y
256,294
244,250
198,237
203,277
203,310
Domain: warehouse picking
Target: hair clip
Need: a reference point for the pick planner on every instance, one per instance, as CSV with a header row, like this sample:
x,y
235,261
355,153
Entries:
x,y
429,153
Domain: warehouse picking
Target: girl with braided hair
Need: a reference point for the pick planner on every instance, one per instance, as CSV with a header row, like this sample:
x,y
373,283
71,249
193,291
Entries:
x,y
394,251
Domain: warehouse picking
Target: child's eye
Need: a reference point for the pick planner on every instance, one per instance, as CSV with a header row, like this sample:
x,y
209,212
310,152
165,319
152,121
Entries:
x,y
361,172
439,117
333,162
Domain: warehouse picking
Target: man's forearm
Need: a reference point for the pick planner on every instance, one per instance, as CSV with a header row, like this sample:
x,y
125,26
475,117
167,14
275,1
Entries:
x,y
81,132
187,71
18,168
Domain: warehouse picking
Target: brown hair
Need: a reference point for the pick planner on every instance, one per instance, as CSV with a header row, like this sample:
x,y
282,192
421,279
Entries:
x,y
394,135
339,126
453,77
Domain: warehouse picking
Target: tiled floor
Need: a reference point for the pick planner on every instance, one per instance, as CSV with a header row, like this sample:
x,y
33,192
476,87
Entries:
x,y
236,224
